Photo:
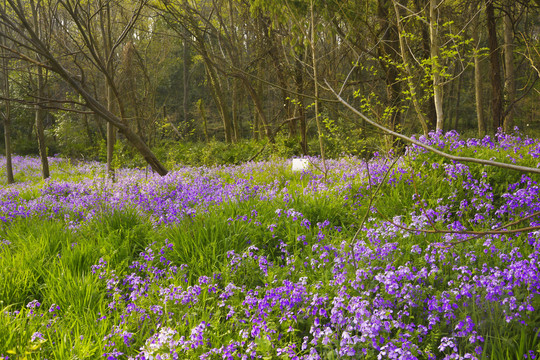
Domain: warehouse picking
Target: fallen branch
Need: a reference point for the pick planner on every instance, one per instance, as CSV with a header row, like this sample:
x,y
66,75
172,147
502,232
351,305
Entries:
x,y
501,230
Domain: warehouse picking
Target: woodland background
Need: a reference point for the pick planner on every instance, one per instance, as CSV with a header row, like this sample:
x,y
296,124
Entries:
x,y
161,82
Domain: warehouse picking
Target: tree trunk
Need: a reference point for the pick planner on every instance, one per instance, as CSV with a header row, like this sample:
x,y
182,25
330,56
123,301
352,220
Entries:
x,y
299,80
509,78
254,112
234,110
98,121
7,113
448,105
435,65
390,48
259,107
39,94
478,83
200,105
88,129
105,26
276,57
458,103
494,55
185,75
40,132
217,92
111,137
428,105
316,86
7,139
405,57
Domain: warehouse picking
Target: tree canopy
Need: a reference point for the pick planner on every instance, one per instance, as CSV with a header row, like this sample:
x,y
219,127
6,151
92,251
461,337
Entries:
x,y
162,72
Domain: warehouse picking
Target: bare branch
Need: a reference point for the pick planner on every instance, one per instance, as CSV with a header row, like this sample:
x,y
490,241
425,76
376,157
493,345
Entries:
x,y
501,230
430,148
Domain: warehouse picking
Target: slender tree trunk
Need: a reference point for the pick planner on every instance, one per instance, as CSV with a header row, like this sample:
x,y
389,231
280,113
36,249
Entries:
x,y
316,87
390,48
448,105
111,137
185,75
40,132
7,113
234,110
259,107
39,126
494,56
405,57
217,92
428,104
509,78
435,65
200,105
256,125
299,80
99,125
7,139
254,111
478,82
278,62
89,133
458,103
105,25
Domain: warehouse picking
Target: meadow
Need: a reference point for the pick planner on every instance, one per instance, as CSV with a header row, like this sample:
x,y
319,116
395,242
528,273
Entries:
x,y
398,257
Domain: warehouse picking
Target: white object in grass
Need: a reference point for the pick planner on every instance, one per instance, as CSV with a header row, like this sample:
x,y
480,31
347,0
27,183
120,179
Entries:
x,y
300,164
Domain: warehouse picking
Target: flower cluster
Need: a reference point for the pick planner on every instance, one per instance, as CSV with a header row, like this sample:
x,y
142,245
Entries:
x,y
412,280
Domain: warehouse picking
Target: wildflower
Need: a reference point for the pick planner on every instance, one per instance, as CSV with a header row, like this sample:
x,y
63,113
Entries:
x,y
37,336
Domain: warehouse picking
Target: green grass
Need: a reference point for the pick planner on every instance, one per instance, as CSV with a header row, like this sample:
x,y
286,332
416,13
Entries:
x,y
50,263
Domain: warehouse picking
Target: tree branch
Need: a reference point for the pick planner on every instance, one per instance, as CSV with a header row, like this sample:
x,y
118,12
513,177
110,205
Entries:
x,y
430,148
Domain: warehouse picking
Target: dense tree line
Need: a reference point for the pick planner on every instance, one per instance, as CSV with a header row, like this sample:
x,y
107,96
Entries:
x,y
74,73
